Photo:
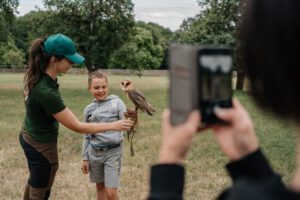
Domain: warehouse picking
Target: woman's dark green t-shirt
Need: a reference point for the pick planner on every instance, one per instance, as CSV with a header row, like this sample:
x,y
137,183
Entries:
x,y
43,101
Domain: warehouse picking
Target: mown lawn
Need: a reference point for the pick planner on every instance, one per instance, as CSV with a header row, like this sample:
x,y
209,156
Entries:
x,y
205,163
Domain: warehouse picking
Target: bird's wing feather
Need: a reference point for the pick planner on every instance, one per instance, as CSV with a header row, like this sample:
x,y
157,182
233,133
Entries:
x,y
138,93
136,97
140,101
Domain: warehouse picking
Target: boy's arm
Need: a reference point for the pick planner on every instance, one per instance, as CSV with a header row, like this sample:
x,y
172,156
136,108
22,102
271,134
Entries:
x,y
85,144
86,138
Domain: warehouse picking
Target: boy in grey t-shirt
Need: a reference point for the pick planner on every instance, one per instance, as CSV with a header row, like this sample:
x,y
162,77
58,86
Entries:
x,y
102,152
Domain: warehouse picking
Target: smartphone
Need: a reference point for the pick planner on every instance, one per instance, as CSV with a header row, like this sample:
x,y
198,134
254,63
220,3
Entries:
x,y
200,78
214,82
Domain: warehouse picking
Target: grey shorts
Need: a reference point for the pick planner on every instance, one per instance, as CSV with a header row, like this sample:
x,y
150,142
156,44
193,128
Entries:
x,y
105,166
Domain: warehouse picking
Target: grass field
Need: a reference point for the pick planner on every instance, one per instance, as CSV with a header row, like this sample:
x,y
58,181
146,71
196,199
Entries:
x,y
205,178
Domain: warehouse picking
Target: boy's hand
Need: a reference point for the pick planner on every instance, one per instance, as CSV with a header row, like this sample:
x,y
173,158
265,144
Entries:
x,y
85,167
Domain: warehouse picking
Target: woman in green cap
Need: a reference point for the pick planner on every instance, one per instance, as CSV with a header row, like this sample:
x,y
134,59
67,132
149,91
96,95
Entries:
x,y
45,109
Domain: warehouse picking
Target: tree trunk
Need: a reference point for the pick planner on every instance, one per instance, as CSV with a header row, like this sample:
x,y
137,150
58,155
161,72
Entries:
x,y
240,79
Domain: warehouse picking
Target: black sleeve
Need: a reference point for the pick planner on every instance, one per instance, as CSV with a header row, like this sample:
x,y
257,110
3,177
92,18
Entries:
x,y
166,182
253,178
254,165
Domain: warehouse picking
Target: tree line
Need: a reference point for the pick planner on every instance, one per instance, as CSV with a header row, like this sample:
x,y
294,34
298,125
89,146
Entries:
x,y
106,33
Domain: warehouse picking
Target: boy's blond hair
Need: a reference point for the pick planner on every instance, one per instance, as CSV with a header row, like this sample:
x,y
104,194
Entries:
x,y
96,74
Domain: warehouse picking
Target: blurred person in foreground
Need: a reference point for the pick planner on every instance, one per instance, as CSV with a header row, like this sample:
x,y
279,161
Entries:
x,y
269,47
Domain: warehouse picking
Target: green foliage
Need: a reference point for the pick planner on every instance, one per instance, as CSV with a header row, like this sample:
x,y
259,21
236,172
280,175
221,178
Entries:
x,y
104,32
216,23
146,48
10,54
33,25
98,27
23,30
14,58
161,36
4,29
8,8
143,51
2,52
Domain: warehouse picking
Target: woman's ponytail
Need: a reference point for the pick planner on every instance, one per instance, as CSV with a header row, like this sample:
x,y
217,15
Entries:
x,y
37,64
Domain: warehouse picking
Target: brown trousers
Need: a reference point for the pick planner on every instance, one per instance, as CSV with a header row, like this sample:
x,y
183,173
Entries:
x,y
42,161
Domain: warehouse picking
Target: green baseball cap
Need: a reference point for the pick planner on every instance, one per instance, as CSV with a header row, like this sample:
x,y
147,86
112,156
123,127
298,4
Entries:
x,y
61,45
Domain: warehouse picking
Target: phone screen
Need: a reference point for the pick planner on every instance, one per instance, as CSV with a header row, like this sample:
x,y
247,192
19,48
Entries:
x,y
216,80
215,87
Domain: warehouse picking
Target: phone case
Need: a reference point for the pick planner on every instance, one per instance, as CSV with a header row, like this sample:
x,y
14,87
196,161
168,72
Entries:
x,y
183,96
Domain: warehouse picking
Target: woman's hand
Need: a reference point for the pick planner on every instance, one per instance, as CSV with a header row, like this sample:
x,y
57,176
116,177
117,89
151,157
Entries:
x,y
236,139
176,140
85,167
123,124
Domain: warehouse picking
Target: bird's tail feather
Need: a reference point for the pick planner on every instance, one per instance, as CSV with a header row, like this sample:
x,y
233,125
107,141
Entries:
x,y
149,109
149,113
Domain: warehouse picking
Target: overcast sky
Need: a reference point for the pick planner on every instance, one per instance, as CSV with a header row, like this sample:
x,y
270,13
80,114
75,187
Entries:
x,y
168,13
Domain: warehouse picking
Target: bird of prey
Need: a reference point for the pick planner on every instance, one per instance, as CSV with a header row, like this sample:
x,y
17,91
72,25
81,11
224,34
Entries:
x,y
140,103
136,97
